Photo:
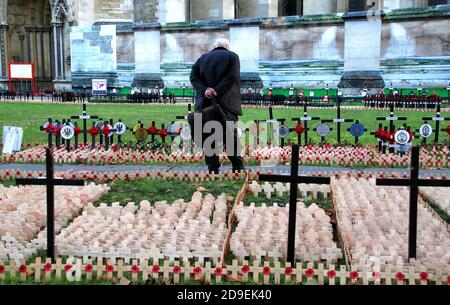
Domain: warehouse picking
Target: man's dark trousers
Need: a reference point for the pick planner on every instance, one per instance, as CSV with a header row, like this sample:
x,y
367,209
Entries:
x,y
234,156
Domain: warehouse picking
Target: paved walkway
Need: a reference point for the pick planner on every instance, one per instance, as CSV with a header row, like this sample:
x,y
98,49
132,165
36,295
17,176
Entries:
x,y
181,168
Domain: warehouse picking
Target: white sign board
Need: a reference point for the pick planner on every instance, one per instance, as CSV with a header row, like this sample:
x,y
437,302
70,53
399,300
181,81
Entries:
x,y
21,71
99,87
12,139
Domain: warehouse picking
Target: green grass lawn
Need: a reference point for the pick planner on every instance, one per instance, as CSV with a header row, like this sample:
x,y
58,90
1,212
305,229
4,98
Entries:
x,y
153,190
31,116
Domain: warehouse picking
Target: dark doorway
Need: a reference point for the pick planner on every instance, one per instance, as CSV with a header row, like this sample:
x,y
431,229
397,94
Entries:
x,y
356,5
290,7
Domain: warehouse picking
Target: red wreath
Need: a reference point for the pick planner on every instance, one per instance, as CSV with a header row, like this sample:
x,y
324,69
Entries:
x,y
266,270
309,272
106,130
448,130
50,128
379,133
299,129
153,130
67,267
93,131
57,131
2,269
411,134
162,133
354,275
77,131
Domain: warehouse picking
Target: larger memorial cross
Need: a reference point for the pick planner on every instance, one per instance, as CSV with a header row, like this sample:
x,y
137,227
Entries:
x,y
413,183
305,119
50,182
84,117
437,119
338,120
294,179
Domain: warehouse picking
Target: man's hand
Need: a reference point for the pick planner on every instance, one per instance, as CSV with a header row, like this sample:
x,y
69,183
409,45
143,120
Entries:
x,y
210,93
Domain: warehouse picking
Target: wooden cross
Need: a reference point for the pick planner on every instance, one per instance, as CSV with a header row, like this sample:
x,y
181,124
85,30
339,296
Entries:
x,y
50,182
305,120
294,179
438,120
84,117
380,142
270,122
391,118
49,133
357,138
338,120
413,183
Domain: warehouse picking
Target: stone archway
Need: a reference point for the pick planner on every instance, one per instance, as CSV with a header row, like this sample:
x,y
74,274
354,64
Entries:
x,y
36,31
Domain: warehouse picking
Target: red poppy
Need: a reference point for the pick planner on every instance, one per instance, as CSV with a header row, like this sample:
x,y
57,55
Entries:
x,y
354,275
67,267
375,274
23,268
266,270
448,130
299,129
88,268
245,269
109,268
106,130
197,270
155,269
331,274
218,271
47,267
162,133
423,276
153,130
176,270
288,271
400,276
93,131
2,269
77,131
309,272
134,269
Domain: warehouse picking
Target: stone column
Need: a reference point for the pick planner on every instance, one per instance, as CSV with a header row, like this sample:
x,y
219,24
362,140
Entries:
x,y
362,54
173,11
244,40
315,7
147,56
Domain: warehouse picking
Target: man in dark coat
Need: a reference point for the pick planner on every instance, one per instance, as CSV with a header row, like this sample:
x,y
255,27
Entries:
x,y
216,75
